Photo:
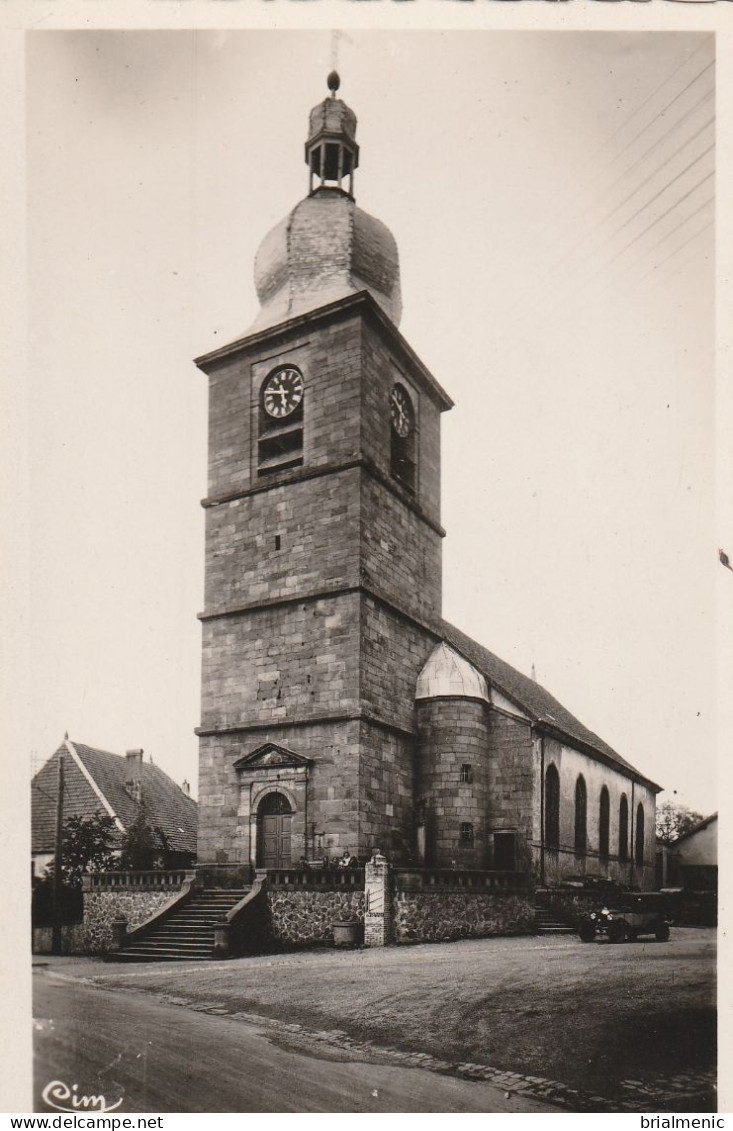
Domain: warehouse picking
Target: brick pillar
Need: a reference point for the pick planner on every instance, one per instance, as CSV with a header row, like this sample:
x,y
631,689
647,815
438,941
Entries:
x,y
377,901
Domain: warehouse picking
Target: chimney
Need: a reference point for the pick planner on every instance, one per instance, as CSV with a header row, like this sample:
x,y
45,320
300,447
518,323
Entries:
x,y
186,787
134,759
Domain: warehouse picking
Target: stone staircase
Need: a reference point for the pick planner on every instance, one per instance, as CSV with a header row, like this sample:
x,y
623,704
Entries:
x,y
187,932
548,923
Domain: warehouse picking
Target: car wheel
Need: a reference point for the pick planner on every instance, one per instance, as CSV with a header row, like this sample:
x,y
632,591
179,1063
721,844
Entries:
x,y
631,936
617,932
587,932
662,933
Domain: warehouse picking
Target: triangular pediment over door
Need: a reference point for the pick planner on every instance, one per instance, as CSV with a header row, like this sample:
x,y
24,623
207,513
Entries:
x,y
271,755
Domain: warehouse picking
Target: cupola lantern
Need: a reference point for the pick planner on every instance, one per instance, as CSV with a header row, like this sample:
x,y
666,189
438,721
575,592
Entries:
x,y
331,152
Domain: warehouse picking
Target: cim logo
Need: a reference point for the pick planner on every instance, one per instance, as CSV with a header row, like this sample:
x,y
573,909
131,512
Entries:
x,y
61,1097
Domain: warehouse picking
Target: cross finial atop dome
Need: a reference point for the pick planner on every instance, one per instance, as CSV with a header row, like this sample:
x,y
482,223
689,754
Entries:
x,y
331,152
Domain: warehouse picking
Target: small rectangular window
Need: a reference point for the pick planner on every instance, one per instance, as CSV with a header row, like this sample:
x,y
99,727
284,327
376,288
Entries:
x,y
466,833
466,772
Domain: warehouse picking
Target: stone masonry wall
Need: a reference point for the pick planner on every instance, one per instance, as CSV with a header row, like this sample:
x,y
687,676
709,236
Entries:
x,y
305,918
386,796
329,357
443,916
453,732
393,651
331,790
381,370
289,541
571,763
272,665
401,555
513,789
101,907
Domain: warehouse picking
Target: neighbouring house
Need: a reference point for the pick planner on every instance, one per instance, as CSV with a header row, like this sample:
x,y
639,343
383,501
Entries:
x,y
119,785
692,859
340,712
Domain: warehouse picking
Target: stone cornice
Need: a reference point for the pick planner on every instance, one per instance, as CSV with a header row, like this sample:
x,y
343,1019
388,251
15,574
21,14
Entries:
x,y
315,720
370,307
302,475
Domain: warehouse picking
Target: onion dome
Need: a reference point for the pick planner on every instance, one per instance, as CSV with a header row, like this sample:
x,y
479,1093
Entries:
x,y
327,248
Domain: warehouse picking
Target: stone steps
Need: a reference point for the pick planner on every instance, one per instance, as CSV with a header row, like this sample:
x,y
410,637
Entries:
x,y
187,932
549,923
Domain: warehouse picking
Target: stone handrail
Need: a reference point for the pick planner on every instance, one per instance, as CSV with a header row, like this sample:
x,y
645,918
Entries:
x,y
455,879
244,926
136,881
328,879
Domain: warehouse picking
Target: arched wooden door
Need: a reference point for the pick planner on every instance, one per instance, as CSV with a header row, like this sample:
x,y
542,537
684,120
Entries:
x,y
274,817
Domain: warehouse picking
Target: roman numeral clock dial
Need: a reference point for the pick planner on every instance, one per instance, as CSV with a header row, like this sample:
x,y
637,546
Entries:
x,y
401,411
282,393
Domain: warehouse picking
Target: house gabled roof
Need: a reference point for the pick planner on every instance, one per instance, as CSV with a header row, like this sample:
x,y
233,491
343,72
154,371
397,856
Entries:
x,y
695,829
538,703
96,780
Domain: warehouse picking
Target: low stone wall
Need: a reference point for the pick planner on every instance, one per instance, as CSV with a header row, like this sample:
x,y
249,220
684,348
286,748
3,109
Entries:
x,y
435,916
305,917
101,907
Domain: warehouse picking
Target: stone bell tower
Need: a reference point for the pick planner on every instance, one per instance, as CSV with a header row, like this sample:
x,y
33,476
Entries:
x,y
323,539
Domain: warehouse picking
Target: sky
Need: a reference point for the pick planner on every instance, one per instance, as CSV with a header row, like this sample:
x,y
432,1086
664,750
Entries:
x,y
551,194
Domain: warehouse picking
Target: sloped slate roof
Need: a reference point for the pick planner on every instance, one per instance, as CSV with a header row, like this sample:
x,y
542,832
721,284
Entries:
x,y
533,698
167,806
80,800
696,828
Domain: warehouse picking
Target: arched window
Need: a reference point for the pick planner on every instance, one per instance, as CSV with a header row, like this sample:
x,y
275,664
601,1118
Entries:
x,y
552,807
639,836
623,829
581,815
280,432
604,817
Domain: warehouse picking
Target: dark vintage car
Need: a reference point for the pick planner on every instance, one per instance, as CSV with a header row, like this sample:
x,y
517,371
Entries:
x,y
626,918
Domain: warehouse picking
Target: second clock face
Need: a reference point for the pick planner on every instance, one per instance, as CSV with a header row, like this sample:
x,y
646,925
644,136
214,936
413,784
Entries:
x,y
283,392
401,410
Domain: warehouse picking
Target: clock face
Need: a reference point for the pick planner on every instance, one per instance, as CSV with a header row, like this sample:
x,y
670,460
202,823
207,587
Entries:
x,y
401,410
282,393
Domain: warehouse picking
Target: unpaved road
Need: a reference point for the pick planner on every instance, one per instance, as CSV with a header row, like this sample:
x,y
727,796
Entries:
x,y
635,1021
161,1058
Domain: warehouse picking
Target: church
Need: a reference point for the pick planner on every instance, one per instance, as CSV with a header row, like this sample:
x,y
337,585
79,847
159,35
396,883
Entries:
x,y
340,712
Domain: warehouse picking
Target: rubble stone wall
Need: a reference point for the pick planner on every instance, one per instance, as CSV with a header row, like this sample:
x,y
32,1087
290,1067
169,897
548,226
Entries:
x,y
422,916
101,907
305,918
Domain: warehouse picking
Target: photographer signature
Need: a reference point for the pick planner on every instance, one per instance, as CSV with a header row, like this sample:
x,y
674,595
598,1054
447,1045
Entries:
x,y
58,1091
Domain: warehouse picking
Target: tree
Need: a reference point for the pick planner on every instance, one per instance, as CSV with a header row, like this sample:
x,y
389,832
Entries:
x,y
673,820
141,845
86,846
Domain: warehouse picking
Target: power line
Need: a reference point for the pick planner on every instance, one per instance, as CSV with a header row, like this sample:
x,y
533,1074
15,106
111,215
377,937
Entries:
x,y
660,218
658,169
667,235
549,311
643,104
564,297
681,247
548,272
664,110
